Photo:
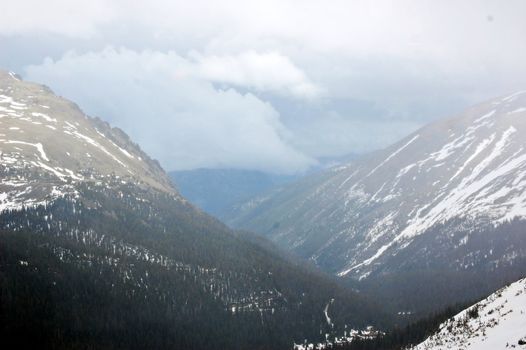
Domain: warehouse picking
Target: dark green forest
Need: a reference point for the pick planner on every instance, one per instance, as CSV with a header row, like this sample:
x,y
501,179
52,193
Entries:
x,y
125,269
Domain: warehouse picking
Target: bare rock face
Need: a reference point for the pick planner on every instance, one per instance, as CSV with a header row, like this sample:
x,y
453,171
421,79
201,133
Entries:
x,y
450,196
47,145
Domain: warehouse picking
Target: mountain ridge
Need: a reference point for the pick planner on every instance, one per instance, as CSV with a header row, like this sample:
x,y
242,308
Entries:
x,y
435,201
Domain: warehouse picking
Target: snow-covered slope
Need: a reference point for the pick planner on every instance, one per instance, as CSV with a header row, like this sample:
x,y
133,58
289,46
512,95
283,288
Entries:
x,y
428,200
47,145
497,322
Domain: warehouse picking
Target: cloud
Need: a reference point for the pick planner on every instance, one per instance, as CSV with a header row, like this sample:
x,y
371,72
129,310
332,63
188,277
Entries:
x,y
64,17
271,71
332,73
184,121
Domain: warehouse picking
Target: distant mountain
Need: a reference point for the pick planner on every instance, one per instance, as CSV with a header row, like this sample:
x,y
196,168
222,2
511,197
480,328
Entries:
x,y
217,191
220,192
439,216
497,322
98,250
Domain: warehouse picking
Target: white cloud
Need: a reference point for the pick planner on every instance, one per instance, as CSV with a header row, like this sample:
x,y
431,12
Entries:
x,y
180,119
271,71
64,17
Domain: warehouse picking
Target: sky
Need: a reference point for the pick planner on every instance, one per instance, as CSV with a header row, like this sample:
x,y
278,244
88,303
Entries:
x,y
267,85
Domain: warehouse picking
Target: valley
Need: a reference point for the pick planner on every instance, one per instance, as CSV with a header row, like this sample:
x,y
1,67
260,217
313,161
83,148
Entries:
x,y
263,175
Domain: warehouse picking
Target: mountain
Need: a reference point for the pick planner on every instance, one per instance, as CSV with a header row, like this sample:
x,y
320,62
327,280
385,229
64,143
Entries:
x,y
49,145
218,191
497,322
99,250
439,214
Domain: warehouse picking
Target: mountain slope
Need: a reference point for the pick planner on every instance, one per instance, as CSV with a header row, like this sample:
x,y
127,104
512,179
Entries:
x,y
98,250
450,197
497,322
44,134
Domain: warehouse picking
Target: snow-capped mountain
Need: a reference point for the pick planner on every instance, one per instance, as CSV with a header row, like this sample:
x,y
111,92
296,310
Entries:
x,y
448,196
497,322
47,144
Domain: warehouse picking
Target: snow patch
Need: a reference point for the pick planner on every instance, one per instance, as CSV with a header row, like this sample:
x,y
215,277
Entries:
x,y
38,146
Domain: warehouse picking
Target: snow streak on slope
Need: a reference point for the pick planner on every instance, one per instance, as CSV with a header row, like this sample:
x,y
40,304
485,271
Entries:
x,y
497,322
393,155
